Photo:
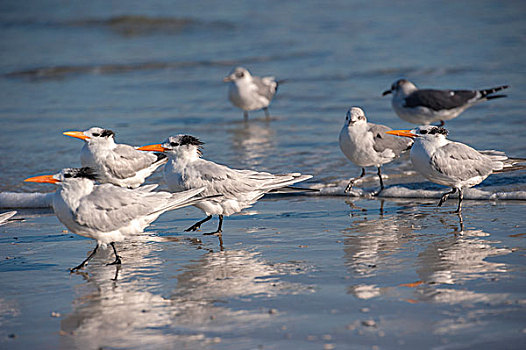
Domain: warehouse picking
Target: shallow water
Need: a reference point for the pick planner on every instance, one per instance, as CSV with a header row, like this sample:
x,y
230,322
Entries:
x,y
304,272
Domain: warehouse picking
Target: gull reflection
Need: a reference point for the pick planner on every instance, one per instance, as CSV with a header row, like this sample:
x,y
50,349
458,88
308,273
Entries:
x,y
121,309
252,142
371,244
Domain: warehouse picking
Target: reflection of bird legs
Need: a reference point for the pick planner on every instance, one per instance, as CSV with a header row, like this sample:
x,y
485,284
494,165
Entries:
x,y
245,115
117,269
221,243
461,222
198,224
85,262
267,113
219,228
117,257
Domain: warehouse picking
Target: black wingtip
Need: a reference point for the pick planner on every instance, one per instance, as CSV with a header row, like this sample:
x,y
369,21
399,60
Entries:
x,y
492,97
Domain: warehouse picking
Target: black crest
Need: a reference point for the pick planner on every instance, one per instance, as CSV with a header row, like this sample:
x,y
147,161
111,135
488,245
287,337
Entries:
x,y
190,140
107,133
435,130
87,173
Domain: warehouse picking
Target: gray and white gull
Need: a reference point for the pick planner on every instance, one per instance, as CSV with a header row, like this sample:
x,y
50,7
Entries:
x,y
250,92
366,144
426,106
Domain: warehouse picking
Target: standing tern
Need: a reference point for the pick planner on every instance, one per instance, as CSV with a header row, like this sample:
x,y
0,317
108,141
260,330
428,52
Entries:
x,y
105,212
250,92
366,144
119,164
240,188
453,164
425,106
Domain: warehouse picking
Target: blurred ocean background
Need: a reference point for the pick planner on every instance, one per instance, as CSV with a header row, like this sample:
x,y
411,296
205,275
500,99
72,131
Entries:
x,y
303,272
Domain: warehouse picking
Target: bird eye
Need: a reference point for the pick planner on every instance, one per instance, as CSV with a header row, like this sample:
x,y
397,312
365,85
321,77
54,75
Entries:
x,y
67,175
96,134
174,144
240,75
423,132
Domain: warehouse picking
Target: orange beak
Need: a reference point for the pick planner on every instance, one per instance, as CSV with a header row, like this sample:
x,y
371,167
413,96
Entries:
x,y
154,148
404,133
227,79
77,134
43,179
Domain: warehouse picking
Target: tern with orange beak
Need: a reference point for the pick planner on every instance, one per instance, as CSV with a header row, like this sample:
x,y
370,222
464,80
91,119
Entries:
x,y
118,164
366,144
453,164
240,188
249,92
108,213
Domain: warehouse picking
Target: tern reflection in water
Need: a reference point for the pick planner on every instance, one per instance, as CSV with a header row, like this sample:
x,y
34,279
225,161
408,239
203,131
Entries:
x,y
460,256
135,309
371,244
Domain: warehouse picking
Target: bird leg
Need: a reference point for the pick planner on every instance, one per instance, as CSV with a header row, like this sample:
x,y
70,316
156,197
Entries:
x,y
219,228
245,115
117,257
267,114
460,198
85,262
445,195
381,183
352,180
198,224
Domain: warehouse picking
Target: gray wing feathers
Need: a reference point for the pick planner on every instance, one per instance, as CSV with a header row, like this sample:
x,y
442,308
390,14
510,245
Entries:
x,y
438,100
220,179
266,86
383,141
461,162
110,207
125,161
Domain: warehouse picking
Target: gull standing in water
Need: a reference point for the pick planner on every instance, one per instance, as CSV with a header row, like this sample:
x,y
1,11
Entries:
x,y
240,188
453,164
249,92
426,106
108,213
118,164
366,144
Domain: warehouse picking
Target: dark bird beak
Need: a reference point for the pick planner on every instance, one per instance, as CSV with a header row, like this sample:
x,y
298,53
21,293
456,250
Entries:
x,y
386,92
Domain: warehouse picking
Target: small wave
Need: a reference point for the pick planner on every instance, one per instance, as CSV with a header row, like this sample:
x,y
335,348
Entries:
x,y
61,72
132,25
129,25
25,200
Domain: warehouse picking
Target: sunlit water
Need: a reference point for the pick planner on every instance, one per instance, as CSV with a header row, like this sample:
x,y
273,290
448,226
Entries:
x,y
296,272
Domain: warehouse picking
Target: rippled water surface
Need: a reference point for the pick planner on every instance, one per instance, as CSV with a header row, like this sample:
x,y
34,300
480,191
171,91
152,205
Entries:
x,y
309,272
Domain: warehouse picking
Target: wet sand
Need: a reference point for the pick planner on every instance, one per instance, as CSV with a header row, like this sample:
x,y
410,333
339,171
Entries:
x,y
295,272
